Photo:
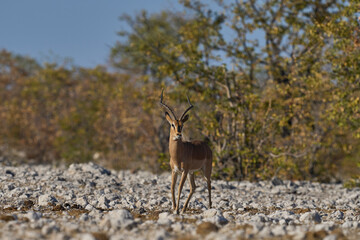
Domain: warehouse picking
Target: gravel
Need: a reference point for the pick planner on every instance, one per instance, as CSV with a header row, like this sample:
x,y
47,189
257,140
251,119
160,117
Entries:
x,y
87,201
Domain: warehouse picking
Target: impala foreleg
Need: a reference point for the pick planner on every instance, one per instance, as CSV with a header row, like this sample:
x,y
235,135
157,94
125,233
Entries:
x,y
192,190
181,185
173,183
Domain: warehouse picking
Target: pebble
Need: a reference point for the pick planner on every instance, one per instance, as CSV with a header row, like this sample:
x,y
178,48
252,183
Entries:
x,y
120,218
165,218
33,216
310,217
338,215
88,201
46,199
82,201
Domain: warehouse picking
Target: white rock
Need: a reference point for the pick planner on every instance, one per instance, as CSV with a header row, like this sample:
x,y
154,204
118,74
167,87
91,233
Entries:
x,y
214,216
177,227
257,227
161,235
120,218
325,226
60,236
89,207
229,216
236,206
265,232
218,219
48,229
82,201
299,234
84,217
33,216
310,217
32,235
165,218
356,224
331,237
347,224
94,168
211,213
259,218
46,199
338,215
282,222
86,236
103,202
279,230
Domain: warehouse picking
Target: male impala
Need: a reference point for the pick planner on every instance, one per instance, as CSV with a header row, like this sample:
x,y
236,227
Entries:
x,y
186,157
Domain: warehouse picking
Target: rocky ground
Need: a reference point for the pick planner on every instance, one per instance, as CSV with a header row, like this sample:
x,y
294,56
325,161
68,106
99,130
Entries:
x,y
87,201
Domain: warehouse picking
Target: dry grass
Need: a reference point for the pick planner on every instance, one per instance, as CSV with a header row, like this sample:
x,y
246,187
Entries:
x,y
73,210
7,218
205,228
76,212
100,236
147,215
27,205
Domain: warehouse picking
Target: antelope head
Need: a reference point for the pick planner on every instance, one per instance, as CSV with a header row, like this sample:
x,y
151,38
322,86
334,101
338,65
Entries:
x,y
176,125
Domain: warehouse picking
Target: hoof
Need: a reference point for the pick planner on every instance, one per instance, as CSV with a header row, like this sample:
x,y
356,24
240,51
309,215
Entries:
x,y
183,210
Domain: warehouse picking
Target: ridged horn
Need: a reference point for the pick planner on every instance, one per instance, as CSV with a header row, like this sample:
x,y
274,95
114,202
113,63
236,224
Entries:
x,y
169,109
190,107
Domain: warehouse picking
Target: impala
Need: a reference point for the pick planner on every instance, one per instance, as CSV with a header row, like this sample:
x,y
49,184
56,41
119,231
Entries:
x,y
186,157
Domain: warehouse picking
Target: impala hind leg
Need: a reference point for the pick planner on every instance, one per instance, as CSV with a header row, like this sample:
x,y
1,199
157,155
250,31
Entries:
x,y
209,189
173,183
192,190
181,185
207,174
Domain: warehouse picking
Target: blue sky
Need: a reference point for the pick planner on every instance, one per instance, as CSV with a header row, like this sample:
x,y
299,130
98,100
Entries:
x,y
83,30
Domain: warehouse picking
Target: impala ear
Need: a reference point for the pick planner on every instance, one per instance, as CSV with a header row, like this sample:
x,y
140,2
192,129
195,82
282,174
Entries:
x,y
168,118
185,118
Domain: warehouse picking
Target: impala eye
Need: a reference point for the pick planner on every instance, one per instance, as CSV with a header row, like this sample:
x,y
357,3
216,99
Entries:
x,y
173,125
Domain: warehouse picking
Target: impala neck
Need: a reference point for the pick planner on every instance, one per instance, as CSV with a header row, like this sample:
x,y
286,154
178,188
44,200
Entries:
x,y
175,146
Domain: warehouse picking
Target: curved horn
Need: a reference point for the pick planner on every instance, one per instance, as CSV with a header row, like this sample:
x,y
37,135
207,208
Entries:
x,y
166,106
191,106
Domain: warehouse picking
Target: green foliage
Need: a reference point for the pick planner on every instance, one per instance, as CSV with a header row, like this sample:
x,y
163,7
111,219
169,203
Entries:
x,y
75,115
163,161
283,105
